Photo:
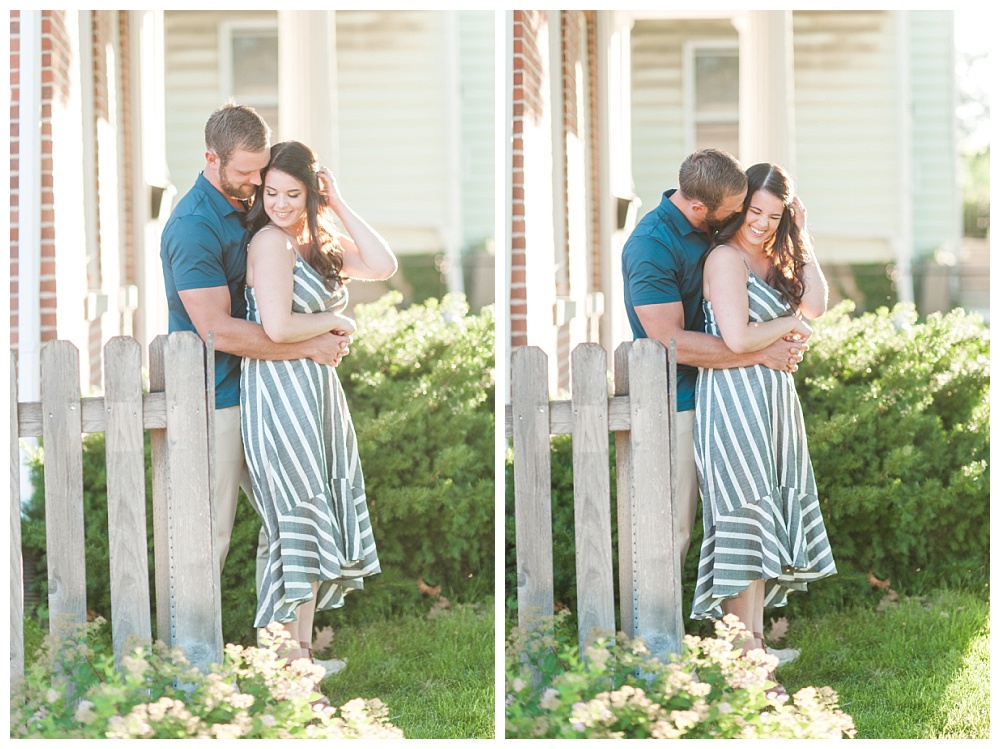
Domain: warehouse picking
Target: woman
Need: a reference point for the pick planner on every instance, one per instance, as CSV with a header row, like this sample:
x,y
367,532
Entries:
x,y
764,534
297,432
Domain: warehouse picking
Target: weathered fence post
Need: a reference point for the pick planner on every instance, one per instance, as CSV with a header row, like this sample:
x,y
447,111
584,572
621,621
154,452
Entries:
x,y
196,617
160,480
592,494
64,540
16,564
623,465
532,484
126,474
655,565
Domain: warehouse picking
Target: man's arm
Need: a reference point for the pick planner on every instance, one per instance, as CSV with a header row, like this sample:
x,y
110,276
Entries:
x,y
666,321
210,311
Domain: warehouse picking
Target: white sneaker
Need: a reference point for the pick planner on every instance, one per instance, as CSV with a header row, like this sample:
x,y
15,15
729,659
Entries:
x,y
784,655
332,665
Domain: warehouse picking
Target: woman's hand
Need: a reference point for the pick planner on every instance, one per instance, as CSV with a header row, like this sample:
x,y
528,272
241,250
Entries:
x,y
328,185
798,211
800,331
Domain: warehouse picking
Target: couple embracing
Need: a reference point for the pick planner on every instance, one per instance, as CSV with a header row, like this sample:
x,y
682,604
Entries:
x,y
252,253
725,267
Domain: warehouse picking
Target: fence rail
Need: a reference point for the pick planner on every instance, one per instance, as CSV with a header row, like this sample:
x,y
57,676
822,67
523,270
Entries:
x,y
642,415
178,412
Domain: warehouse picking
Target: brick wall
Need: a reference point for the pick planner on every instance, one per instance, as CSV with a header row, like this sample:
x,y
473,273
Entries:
x,y
528,106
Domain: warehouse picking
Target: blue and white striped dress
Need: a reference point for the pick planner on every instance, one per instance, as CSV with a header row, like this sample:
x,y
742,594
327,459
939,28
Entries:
x,y
302,454
761,510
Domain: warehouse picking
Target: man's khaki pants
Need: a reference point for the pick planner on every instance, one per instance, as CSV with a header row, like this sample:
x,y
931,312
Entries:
x,y
231,474
686,498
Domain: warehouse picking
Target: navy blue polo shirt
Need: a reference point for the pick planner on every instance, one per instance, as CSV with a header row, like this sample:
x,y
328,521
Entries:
x,y
661,263
202,247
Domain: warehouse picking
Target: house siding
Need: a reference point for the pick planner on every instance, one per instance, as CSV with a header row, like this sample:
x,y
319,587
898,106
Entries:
x,y
936,188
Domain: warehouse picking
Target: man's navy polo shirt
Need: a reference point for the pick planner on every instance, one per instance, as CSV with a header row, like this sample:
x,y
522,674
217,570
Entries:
x,y
202,246
661,263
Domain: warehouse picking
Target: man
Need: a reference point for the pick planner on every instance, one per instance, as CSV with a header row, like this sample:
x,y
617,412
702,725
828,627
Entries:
x,y
662,266
204,264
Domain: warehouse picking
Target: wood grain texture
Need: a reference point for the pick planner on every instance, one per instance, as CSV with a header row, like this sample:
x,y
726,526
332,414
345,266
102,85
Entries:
x,y
159,481
626,516
64,537
126,473
197,623
592,494
532,484
16,562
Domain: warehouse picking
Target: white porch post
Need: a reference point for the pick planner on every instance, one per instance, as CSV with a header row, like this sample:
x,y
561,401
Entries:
x,y
307,82
767,101
614,128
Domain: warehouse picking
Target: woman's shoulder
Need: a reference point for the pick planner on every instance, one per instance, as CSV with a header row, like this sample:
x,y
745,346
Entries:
x,y
271,236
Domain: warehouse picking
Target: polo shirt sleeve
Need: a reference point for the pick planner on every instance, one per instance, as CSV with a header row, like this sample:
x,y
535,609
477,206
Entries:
x,y
194,251
652,273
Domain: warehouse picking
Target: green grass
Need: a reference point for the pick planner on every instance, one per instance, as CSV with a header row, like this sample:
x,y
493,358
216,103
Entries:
x,y
436,675
916,668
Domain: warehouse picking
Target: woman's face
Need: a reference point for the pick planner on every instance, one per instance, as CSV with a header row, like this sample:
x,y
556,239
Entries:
x,y
284,200
762,218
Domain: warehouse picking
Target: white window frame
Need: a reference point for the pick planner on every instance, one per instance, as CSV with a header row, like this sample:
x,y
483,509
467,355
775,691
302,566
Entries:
x,y
691,118
227,30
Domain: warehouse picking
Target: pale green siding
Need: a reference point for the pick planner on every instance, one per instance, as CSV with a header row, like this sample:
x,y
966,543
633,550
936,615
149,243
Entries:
x,y
849,123
936,188
477,52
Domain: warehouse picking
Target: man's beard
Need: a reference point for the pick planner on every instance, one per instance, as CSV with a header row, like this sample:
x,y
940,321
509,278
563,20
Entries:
x,y
234,192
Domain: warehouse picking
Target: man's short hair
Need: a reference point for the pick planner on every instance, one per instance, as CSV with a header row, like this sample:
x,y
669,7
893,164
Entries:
x,y
236,127
711,176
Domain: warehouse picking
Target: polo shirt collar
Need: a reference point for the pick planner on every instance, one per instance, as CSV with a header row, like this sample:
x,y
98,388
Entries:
x,y
672,215
215,198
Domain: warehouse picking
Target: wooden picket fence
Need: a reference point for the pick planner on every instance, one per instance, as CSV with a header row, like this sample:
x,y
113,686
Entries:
x,y
179,413
642,414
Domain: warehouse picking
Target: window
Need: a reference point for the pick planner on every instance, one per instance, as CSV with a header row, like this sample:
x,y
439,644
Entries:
x,y
712,95
249,65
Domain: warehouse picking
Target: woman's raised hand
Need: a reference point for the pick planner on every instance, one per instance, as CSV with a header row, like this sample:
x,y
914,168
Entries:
x,y
798,211
328,185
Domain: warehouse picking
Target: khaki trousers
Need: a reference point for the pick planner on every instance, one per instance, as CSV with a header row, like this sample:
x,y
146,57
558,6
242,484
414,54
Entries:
x,y
231,474
686,498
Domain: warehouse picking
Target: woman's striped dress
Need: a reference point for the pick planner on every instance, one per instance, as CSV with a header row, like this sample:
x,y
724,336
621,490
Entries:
x,y
307,483
761,510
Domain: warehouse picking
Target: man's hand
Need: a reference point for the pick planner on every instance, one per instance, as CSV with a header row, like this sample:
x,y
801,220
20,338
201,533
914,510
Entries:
x,y
783,355
329,348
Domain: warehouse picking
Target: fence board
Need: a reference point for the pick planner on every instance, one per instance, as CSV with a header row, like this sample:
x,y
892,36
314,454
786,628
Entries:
x,y
626,516
64,539
93,416
655,565
197,621
532,484
592,494
16,564
159,482
561,416
126,472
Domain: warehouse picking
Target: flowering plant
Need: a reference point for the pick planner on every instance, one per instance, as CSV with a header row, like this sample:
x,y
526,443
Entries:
x,y
73,690
617,690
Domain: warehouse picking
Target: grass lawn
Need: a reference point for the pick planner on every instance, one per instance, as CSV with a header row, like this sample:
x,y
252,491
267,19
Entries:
x,y
436,675
917,668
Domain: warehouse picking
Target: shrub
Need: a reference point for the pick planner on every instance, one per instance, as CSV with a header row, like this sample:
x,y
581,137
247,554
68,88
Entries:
x,y
897,417
419,385
897,414
617,690
72,690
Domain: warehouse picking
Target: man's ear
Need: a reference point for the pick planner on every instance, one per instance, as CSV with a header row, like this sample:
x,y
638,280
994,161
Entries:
x,y
699,209
211,158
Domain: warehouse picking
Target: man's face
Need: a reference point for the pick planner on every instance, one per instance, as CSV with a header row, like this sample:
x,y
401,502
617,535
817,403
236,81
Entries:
x,y
239,176
729,206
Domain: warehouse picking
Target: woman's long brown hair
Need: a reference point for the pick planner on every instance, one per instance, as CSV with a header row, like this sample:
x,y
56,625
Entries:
x,y
323,252
789,249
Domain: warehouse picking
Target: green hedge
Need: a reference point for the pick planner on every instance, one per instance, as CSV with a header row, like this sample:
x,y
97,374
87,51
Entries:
x,y
419,383
897,416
